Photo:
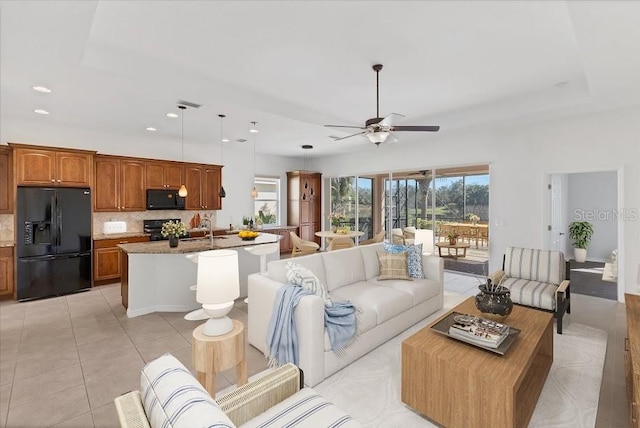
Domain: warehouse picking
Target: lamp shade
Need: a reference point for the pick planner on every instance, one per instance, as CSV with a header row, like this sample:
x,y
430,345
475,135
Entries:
x,y
218,278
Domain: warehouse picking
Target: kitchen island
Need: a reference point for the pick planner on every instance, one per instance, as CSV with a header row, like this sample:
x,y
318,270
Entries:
x,y
157,278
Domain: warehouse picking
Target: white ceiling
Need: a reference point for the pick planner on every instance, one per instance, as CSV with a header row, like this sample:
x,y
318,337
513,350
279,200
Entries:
x,y
119,66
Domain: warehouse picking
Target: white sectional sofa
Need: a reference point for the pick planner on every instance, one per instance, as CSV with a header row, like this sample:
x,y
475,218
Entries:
x,y
387,307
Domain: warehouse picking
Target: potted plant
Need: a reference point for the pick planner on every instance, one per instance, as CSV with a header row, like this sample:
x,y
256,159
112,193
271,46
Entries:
x,y
336,220
452,237
173,230
580,232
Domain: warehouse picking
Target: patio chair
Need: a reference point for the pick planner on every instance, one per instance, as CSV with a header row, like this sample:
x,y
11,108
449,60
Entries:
x,y
378,238
538,279
302,247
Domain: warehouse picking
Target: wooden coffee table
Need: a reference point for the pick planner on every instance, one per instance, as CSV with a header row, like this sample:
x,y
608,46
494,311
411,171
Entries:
x,y
455,247
458,385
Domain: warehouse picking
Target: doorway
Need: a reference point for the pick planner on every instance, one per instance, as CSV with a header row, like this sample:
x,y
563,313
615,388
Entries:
x,y
590,197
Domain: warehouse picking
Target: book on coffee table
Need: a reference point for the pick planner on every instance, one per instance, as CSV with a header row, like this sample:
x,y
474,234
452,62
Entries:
x,y
479,334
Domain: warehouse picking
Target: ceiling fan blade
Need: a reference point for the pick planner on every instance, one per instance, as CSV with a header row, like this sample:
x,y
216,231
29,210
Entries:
x,y
349,136
391,119
345,126
415,128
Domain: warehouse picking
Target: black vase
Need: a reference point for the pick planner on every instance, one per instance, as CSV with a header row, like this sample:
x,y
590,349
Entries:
x,y
495,305
173,241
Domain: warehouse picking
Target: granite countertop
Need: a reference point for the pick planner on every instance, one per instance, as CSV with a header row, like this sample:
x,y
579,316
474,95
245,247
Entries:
x,y
196,245
6,244
118,235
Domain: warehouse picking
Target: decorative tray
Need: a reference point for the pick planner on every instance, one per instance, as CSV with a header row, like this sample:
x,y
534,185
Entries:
x,y
443,325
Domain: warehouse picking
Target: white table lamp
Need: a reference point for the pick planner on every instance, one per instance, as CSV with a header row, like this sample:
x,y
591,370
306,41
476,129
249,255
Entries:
x,y
218,286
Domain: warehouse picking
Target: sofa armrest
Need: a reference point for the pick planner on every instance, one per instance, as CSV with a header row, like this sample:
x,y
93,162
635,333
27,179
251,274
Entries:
x,y
562,288
309,318
259,395
433,268
130,411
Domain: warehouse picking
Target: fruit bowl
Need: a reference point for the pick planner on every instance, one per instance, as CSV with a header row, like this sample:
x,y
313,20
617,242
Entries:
x,y
248,235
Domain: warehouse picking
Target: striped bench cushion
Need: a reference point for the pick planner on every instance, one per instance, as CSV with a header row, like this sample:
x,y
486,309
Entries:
x,y
536,265
532,293
173,398
306,408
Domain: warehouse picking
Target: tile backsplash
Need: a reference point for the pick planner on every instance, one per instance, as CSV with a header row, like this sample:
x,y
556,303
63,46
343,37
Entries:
x,y
134,219
6,227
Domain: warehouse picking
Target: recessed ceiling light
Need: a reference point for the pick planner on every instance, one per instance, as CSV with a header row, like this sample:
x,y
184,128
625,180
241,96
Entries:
x,y
225,140
41,89
40,111
151,129
172,115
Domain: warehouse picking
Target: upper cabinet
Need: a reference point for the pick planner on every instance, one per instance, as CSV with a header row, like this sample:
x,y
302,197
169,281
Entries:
x,y
6,181
164,175
203,187
120,184
39,166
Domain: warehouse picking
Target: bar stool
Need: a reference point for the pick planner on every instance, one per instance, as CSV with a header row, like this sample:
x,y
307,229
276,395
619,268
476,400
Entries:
x,y
198,314
262,251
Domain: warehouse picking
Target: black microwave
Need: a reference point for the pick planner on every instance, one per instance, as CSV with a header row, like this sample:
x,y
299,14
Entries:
x,y
161,199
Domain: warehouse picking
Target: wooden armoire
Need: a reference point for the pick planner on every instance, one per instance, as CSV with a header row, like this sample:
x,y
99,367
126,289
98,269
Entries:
x,y
304,190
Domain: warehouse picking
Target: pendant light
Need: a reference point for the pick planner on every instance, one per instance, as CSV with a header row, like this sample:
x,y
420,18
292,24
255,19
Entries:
x,y
306,147
254,131
183,189
222,141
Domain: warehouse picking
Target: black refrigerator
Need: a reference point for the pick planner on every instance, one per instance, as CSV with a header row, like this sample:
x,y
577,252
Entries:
x,y
54,241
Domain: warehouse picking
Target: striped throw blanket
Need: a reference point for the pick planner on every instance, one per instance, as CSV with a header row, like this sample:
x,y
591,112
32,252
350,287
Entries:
x,y
282,338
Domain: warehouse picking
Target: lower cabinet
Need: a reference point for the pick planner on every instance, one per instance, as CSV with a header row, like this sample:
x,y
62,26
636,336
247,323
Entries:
x,y
285,241
6,272
632,357
106,259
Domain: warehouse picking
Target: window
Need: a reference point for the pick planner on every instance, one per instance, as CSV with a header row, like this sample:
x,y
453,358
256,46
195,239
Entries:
x,y
266,205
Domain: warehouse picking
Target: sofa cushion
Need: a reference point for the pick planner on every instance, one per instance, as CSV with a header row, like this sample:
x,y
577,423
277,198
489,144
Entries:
x,y
370,259
277,269
420,290
305,408
536,265
532,293
299,275
393,266
343,267
172,397
384,302
414,257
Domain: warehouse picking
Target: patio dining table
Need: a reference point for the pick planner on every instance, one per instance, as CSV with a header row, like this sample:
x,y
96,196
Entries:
x,y
477,230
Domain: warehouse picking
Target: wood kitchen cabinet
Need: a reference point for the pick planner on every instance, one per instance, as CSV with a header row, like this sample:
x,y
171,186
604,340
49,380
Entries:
x,y
120,184
632,357
6,272
203,187
41,166
164,175
304,190
6,180
107,258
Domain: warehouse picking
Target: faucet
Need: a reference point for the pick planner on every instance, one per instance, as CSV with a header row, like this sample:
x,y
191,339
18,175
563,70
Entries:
x,y
206,220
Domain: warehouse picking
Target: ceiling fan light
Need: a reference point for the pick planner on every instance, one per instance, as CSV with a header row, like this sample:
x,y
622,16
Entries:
x,y
378,137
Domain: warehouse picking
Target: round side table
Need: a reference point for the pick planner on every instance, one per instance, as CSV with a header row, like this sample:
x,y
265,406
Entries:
x,y
213,354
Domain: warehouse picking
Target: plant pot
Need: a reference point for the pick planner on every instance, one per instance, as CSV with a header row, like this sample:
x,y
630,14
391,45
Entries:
x,y
453,241
580,255
173,241
494,305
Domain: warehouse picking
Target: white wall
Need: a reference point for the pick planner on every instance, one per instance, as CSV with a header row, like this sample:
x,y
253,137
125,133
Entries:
x,y
520,159
593,197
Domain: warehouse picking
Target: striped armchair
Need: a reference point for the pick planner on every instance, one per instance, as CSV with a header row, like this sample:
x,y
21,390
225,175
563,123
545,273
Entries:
x,y
538,279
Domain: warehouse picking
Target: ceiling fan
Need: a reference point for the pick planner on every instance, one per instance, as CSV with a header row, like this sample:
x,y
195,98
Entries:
x,y
378,129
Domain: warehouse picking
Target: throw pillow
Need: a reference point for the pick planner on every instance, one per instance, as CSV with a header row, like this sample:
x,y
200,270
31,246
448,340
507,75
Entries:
x,y
297,274
414,257
393,266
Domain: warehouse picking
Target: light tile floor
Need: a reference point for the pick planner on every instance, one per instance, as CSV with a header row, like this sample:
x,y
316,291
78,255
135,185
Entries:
x,y
63,360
